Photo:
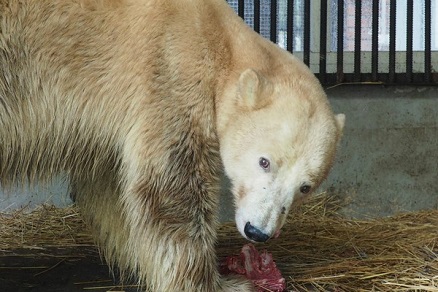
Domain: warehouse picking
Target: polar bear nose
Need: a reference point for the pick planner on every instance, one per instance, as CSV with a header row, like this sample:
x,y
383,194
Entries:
x,y
254,233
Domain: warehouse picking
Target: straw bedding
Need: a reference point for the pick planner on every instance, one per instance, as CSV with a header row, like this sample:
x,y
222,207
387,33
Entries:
x,y
318,249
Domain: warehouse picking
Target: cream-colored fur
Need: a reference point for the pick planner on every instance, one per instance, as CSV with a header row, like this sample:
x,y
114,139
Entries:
x,y
286,121
140,102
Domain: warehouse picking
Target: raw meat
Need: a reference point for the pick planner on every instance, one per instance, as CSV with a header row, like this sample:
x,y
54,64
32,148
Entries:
x,y
259,268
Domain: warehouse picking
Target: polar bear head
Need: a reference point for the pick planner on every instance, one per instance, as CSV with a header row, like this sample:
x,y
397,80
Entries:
x,y
278,139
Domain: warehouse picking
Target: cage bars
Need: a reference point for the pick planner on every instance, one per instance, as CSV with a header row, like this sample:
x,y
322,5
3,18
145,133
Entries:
x,y
390,75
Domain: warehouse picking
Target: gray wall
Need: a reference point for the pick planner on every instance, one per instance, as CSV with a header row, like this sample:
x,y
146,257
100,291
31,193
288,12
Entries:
x,y
389,155
29,197
387,161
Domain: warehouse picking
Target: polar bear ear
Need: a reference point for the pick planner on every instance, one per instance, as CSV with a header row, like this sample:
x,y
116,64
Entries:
x,y
255,91
340,122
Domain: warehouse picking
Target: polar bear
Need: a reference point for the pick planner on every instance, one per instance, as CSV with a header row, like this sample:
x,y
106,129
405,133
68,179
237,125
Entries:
x,y
142,103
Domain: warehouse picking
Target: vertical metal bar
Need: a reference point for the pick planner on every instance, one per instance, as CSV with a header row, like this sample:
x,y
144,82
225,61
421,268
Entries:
x,y
427,41
290,26
323,42
392,19
257,15
375,42
409,34
340,45
357,39
306,56
241,8
273,21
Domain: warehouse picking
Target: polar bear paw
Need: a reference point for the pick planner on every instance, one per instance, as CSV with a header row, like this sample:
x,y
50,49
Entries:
x,y
236,284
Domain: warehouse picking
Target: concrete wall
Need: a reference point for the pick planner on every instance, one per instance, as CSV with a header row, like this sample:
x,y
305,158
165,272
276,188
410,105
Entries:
x,y
387,160
29,197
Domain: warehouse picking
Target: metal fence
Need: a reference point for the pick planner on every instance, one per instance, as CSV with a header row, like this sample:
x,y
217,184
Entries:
x,y
353,41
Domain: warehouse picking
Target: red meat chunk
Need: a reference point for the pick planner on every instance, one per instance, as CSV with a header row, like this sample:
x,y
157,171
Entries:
x,y
259,268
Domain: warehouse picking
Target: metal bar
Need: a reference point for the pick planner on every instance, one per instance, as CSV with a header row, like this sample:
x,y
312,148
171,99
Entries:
x,y
392,19
340,45
409,34
241,8
375,41
257,15
306,56
323,42
273,32
290,26
357,39
427,41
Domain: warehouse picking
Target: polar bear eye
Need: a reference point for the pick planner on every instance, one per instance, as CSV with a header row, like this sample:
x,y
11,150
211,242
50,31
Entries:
x,y
305,189
264,163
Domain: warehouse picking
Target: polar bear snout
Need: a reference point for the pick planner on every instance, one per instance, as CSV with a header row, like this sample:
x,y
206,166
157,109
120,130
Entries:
x,y
255,234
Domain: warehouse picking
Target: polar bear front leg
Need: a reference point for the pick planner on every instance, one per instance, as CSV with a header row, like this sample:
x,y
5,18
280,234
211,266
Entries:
x,y
169,196
236,284
172,249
